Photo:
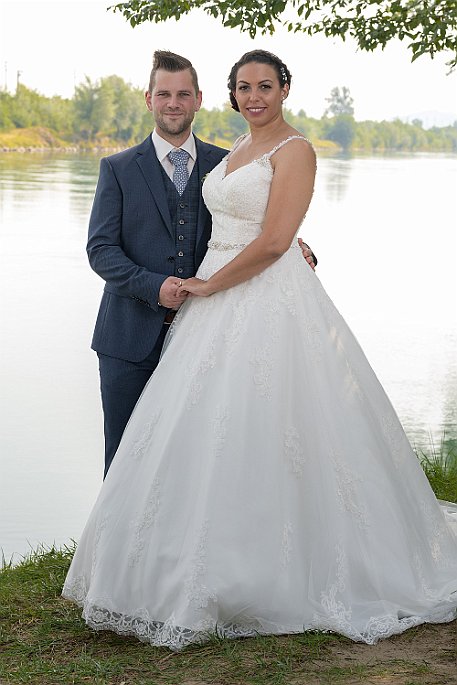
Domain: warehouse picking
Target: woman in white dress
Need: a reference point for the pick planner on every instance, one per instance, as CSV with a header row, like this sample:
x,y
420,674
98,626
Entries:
x,y
264,484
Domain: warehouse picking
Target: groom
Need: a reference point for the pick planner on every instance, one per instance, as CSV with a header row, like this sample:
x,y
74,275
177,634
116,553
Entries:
x,y
148,230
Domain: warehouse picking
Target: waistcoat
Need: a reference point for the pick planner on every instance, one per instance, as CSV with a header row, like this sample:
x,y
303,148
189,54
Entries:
x,y
184,215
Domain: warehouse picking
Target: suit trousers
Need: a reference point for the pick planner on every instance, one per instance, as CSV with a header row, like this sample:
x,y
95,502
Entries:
x,y
121,384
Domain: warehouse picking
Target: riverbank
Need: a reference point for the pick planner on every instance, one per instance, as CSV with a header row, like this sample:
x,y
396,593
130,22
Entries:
x,y
43,640
40,139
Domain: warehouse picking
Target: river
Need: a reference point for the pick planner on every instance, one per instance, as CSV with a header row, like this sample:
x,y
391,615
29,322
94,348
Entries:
x,y
384,230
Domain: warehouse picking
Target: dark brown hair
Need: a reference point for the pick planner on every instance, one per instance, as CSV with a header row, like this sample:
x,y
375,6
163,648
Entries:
x,y
169,61
263,57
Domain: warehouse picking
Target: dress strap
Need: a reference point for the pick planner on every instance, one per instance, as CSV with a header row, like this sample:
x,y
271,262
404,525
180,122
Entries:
x,y
283,142
237,143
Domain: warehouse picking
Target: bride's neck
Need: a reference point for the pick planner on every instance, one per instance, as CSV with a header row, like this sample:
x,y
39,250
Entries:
x,y
268,132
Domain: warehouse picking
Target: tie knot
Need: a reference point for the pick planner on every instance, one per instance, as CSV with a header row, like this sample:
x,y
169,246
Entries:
x,y
178,157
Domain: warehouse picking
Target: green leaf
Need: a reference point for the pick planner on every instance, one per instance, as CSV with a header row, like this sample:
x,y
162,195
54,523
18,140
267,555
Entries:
x,y
430,24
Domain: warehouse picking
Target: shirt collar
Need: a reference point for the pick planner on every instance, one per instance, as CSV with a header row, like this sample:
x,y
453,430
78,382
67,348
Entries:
x,y
163,147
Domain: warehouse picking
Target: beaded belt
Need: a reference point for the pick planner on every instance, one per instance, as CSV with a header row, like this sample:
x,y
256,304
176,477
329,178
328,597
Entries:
x,y
217,245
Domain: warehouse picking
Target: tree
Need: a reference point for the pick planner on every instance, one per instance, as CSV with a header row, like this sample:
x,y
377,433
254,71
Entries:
x,y
84,102
340,102
341,130
429,25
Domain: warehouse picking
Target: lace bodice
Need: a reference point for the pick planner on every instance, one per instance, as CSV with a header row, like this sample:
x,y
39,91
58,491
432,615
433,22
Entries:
x,y
238,200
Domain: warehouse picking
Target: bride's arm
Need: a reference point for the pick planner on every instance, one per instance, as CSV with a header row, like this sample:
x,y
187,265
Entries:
x,y
291,190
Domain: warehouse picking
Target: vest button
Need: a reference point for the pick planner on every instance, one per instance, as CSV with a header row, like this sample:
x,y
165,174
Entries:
x,y
182,205
181,221
180,254
180,270
180,237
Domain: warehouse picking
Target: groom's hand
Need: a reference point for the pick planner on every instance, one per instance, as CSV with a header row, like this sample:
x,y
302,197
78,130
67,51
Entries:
x,y
170,294
308,254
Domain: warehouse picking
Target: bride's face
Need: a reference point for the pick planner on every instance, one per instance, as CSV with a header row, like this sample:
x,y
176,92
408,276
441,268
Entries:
x,y
258,92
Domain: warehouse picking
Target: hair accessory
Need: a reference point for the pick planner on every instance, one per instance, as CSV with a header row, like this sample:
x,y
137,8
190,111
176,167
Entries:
x,y
283,74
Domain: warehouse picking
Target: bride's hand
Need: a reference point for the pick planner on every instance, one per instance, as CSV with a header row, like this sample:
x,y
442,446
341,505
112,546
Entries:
x,y
195,286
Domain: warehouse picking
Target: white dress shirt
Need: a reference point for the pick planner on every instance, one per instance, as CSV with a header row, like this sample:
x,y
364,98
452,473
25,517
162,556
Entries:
x,y
163,147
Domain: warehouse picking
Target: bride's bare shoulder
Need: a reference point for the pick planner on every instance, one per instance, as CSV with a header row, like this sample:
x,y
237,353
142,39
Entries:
x,y
295,148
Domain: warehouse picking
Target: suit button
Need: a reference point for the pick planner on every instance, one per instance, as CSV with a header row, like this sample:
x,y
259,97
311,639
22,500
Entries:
x,y
181,221
182,205
180,271
180,237
180,254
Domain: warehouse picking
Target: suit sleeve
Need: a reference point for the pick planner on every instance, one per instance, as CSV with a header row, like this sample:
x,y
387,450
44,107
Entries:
x,y
104,247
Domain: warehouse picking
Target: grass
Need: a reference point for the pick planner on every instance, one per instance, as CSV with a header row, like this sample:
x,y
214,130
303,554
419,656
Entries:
x,y
33,137
44,641
440,467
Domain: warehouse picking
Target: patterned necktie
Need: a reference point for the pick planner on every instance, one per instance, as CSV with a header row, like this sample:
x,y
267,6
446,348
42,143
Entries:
x,y
179,160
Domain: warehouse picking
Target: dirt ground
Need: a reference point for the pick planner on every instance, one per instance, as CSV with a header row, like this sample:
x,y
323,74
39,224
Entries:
x,y
423,656
426,656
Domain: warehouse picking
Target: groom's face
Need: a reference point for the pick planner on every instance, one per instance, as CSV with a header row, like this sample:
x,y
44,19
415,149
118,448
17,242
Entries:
x,y
173,103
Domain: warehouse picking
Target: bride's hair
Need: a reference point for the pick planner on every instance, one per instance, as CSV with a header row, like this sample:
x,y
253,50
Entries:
x,y
264,57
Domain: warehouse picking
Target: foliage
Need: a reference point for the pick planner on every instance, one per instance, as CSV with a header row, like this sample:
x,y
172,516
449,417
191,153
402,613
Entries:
x,y
112,113
430,26
28,108
440,467
341,129
112,107
340,102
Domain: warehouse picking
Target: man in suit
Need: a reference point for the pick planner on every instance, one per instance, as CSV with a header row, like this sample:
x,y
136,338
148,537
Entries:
x,y
148,230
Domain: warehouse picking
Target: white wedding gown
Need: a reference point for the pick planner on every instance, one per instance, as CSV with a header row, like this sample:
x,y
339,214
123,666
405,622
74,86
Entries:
x,y
264,484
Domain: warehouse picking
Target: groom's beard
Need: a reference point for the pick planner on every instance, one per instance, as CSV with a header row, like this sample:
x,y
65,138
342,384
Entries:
x,y
174,127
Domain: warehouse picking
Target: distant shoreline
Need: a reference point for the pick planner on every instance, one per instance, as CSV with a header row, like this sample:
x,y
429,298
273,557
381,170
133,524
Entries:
x,y
38,139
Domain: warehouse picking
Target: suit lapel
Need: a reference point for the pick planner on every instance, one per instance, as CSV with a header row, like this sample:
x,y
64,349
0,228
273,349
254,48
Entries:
x,y
150,168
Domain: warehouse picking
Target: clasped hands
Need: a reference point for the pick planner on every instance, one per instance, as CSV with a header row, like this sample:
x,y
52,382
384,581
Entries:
x,y
174,291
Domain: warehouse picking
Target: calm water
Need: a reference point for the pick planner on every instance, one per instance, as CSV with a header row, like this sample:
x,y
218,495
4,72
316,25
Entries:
x,y
384,230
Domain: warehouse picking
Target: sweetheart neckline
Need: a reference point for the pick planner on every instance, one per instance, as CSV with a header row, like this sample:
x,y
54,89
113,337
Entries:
x,y
243,166
257,159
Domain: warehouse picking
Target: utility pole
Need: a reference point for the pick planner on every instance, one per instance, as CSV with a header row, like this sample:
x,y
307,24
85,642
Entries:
x,y
18,76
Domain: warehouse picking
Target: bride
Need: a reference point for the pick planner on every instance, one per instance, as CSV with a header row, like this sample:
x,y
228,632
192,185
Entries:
x,y
264,484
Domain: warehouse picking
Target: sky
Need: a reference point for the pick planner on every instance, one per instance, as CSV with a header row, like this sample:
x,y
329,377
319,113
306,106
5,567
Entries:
x,y
55,44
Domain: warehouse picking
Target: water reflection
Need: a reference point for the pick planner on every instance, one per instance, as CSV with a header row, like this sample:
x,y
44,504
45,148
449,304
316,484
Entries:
x,y
337,173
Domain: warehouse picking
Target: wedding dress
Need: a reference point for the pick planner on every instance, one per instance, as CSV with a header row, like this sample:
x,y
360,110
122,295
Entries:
x,y
264,484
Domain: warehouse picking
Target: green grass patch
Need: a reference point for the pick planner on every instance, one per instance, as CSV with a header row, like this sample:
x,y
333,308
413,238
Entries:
x,y
44,641
33,137
440,467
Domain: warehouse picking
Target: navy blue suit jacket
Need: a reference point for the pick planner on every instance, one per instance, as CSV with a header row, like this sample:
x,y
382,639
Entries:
x,y
132,246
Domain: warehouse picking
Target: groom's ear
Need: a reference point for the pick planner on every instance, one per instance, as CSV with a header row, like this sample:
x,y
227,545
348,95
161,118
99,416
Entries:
x,y
147,98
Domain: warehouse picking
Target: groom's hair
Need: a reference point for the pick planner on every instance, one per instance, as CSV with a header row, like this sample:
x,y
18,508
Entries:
x,y
170,61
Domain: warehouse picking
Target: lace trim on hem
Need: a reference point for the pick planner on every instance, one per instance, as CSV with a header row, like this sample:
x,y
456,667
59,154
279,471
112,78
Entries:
x,y
176,638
